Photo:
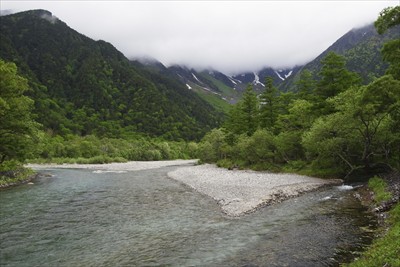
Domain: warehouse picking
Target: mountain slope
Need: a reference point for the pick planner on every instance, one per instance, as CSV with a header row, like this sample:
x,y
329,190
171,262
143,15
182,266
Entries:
x,y
362,50
84,86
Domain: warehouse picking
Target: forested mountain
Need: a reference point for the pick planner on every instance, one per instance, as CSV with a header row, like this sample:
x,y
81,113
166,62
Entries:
x,y
82,86
361,49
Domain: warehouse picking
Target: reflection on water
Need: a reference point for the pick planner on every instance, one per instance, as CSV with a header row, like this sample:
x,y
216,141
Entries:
x,y
142,218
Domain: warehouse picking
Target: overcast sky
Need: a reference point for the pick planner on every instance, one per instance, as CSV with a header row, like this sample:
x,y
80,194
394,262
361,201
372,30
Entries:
x,y
230,36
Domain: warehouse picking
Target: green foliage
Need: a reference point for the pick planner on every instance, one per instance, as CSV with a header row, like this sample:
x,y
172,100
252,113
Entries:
x,y
379,187
92,149
258,148
269,105
306,85
244,116
13,172
388,18
391,54
249,107
211,147
18,130
335,78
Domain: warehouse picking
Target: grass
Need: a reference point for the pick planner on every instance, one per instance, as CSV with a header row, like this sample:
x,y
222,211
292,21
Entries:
x,y
379,187
385,250
215,100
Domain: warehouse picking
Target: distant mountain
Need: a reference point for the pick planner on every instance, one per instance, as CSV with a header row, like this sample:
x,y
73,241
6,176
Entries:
x,y
82,86
361,48
219,88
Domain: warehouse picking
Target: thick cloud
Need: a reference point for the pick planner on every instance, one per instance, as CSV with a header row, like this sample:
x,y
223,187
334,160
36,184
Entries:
x,y
230,36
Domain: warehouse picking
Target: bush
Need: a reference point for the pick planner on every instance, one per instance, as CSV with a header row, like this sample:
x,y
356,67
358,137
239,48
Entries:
x,y
259,148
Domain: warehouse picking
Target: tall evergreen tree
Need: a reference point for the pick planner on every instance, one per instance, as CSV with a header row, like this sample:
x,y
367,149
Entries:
x,y
269,105
305,85
249,108
243,117
335,78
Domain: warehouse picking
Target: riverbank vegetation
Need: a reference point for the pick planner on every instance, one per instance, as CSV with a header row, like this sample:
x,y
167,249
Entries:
x,y
92,149
13,173
385,250
332,126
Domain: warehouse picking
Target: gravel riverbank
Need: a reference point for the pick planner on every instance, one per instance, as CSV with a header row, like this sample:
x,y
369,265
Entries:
x,y
119,167
240,192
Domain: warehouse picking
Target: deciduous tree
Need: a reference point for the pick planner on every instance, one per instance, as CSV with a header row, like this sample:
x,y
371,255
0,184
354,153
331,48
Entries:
x,y
17,127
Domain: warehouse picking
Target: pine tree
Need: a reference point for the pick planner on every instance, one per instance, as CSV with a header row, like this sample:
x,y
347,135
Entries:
x,y
269,105
335,78
249,108
243,117
305,85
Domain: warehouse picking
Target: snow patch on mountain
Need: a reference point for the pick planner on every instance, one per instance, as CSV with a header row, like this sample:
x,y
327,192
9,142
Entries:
x,y
189,87
288,75
194,76
257,79
233,80
280,77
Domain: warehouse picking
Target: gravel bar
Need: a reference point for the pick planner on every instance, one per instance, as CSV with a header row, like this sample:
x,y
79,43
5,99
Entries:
x,y
239,192
116,167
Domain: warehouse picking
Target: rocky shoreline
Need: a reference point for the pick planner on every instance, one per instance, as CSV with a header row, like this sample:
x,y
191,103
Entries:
x,y
240,192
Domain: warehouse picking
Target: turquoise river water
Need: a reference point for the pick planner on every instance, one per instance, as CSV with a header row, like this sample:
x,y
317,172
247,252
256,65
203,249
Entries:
x,y
143,218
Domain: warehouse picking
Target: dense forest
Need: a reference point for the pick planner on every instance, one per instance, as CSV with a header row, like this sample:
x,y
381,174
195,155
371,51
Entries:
x,y
83,87
331,126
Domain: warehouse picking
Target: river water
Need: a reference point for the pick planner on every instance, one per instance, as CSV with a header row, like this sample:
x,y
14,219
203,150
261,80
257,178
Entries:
x,y
143,218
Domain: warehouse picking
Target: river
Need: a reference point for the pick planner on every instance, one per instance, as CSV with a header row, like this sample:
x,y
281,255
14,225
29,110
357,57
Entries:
x,y
143,218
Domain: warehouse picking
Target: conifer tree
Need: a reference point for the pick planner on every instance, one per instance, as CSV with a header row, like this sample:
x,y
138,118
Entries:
x,y
249,110
335,78
269,105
